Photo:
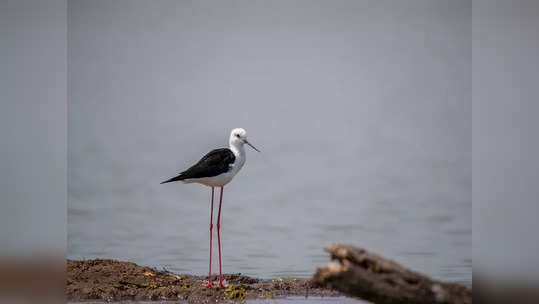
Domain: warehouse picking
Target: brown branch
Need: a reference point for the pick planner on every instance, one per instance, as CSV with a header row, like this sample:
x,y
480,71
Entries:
x,y
374,278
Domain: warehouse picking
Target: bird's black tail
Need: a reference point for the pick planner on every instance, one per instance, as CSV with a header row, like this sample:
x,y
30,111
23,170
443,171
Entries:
x,y
174,179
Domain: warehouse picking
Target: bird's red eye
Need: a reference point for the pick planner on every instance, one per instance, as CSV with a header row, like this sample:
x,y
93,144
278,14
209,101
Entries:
x,y
237,135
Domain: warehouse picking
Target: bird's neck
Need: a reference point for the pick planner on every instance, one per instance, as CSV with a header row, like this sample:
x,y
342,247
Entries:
x,y
237,149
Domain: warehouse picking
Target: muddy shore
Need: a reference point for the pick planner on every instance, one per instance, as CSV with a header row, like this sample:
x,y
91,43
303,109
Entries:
x,y
112,280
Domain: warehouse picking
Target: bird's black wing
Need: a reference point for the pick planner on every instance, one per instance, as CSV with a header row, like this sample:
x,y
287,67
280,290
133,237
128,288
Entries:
x,y
212,164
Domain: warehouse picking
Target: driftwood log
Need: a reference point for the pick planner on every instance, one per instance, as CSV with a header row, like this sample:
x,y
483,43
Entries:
x,y
371,277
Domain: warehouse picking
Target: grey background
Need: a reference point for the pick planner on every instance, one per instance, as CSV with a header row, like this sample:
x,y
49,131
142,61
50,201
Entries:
x,y
362,110
33,114
505,141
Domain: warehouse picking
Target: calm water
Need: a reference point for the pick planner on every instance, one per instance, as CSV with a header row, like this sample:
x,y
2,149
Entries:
x,y
362,113
310,300
293,299
278,213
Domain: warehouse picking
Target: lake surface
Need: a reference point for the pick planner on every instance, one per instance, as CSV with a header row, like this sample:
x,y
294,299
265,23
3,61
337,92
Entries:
x,y
362,113
276,216
310,300
292,299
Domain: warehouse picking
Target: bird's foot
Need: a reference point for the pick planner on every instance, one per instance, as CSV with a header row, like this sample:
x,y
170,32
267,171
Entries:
x,y
221,285
208,285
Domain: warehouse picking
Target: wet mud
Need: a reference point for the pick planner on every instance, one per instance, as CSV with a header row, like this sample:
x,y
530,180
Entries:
x,y
112,280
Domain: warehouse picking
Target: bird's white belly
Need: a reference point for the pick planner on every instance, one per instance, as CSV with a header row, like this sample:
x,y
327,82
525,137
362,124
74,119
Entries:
x,y
213,181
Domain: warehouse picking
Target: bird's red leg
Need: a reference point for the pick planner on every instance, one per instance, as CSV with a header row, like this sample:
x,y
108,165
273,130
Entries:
x,y
219,236
209,285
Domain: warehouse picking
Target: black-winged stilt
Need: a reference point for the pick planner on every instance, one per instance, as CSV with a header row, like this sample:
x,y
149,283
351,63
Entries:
x,y
216,169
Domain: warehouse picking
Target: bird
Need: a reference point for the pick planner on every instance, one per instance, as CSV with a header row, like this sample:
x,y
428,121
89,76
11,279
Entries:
x,y
216,169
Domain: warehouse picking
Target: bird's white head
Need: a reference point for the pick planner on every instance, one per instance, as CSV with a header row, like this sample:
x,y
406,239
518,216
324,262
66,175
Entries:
x,y
238,137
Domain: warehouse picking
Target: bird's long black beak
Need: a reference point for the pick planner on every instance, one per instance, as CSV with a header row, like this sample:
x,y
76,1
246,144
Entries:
x,y
245,141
